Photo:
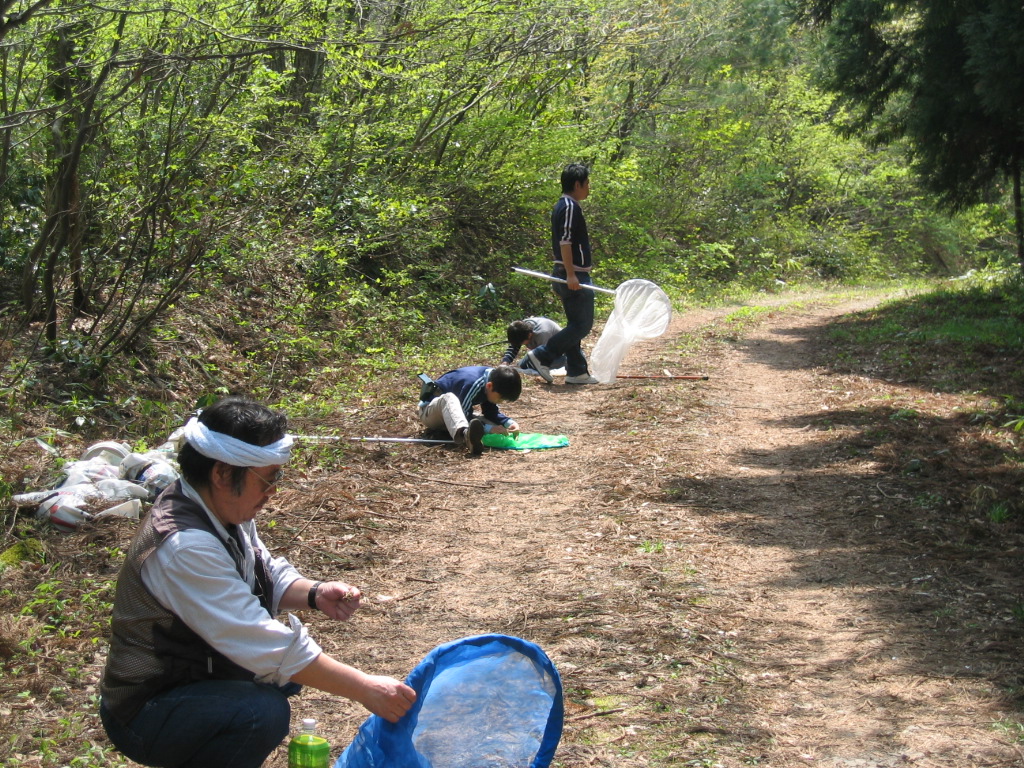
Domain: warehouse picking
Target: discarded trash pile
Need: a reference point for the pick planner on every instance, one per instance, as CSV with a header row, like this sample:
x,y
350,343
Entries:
x,y
108,479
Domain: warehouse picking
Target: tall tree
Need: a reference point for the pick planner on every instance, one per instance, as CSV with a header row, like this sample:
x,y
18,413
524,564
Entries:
x,y
945,74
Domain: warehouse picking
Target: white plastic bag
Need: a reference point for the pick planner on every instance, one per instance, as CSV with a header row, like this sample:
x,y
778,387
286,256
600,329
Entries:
x,y
110,451
119,490
65,511
89,471
72,505
108,479
153,470
642,311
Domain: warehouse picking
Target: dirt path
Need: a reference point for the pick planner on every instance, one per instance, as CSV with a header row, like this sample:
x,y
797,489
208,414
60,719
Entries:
x,y
831,614
713,566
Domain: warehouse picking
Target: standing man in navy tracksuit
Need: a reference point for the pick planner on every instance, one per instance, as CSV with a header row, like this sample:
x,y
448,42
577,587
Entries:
x,y
570,247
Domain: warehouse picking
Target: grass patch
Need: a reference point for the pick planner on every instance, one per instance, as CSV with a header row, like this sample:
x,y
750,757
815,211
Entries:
x,y
1010,729
955,337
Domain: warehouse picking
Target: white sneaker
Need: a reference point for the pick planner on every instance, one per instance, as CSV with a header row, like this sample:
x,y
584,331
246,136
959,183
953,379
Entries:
x,y
543,370
583,378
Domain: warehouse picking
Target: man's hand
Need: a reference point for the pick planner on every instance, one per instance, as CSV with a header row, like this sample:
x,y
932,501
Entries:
x,y
573,282
387,697
338,599
382,695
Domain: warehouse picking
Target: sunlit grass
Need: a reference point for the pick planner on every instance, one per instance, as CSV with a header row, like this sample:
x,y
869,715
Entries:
x,y
966,314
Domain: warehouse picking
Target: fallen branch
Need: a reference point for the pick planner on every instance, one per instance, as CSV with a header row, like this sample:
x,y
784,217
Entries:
x,y
602,713
408,597
307,523
446,482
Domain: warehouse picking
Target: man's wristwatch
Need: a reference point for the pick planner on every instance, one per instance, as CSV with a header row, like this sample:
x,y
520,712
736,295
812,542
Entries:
x,y
311,599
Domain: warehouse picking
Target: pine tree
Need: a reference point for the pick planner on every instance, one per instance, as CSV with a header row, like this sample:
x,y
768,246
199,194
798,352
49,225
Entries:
x,y
947,75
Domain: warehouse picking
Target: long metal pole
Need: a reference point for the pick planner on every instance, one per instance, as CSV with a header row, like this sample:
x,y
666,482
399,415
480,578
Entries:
x,y
398,440
554,279
327,438
692,378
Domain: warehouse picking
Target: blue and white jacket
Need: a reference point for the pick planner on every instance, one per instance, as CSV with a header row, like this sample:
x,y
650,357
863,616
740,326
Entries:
x,y
468,385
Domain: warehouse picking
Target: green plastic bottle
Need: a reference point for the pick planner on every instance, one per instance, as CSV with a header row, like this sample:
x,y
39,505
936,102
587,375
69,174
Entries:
x,y
307,750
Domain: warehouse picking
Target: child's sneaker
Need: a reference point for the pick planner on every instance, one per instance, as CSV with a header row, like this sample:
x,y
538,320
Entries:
x,y
474,437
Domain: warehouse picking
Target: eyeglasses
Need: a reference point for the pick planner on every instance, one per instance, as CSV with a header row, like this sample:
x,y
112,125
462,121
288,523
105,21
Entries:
x,y
272,482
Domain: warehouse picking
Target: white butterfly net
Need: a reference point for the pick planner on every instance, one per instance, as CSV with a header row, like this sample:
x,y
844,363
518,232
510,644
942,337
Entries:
x,y
642,311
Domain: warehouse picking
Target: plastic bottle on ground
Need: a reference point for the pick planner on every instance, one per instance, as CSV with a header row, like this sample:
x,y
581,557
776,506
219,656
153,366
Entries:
x,y
307,750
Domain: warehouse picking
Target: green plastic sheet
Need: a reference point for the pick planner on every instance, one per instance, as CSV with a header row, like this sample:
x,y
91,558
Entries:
x,y
527,441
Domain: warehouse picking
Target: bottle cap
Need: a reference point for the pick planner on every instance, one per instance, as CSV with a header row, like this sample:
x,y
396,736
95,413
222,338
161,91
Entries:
x,y
308,724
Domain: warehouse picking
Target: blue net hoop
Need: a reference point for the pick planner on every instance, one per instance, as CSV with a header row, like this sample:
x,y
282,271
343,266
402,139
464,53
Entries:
x,y
488,701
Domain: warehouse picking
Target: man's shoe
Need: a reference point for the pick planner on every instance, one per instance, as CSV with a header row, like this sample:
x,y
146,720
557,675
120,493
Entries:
x,y
543,370
527,371
474,437
583,378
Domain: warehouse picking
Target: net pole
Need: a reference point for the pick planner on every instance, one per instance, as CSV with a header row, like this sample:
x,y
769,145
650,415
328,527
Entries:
x,y
398,440
554,279
636,376
328,438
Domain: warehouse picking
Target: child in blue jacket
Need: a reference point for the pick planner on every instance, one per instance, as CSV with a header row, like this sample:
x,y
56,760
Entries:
x,y
458,392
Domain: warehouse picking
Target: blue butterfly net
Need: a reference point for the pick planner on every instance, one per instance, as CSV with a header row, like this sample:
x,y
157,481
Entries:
x,y
489,701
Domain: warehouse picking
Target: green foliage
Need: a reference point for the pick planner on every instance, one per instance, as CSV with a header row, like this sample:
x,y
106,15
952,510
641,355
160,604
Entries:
x,y
1000,512
396,162
63,617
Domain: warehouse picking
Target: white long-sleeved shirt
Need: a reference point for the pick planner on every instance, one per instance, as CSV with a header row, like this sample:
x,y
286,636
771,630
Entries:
x,y
194,576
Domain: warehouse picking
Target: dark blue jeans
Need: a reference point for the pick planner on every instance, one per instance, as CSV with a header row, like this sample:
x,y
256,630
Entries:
x,y
579,315
211,724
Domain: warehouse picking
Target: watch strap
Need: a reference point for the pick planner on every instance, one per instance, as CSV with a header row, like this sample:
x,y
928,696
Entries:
x,y
311,598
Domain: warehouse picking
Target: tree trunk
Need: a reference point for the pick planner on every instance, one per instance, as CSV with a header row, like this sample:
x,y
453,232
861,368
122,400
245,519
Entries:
x,y
1018,212
79,92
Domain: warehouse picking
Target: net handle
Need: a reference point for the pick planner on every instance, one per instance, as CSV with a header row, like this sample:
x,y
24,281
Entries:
x,y
554,279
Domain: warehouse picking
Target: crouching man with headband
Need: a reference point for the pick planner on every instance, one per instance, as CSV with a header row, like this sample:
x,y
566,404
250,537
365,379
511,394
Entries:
x,y
199,669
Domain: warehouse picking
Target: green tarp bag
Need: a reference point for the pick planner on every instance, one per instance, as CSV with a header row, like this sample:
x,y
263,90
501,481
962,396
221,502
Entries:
x,y
527,441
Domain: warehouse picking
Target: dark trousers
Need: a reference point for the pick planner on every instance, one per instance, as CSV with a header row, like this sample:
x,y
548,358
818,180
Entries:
x,y
210,724
579,315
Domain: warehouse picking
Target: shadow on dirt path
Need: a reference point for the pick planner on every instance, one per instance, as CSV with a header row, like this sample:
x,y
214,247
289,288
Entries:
x,y
724,572
839,601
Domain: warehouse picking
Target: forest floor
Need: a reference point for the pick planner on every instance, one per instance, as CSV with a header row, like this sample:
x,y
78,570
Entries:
x,y
747,570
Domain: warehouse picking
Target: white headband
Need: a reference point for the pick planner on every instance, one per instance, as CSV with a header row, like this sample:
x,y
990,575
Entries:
x,y
231,450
